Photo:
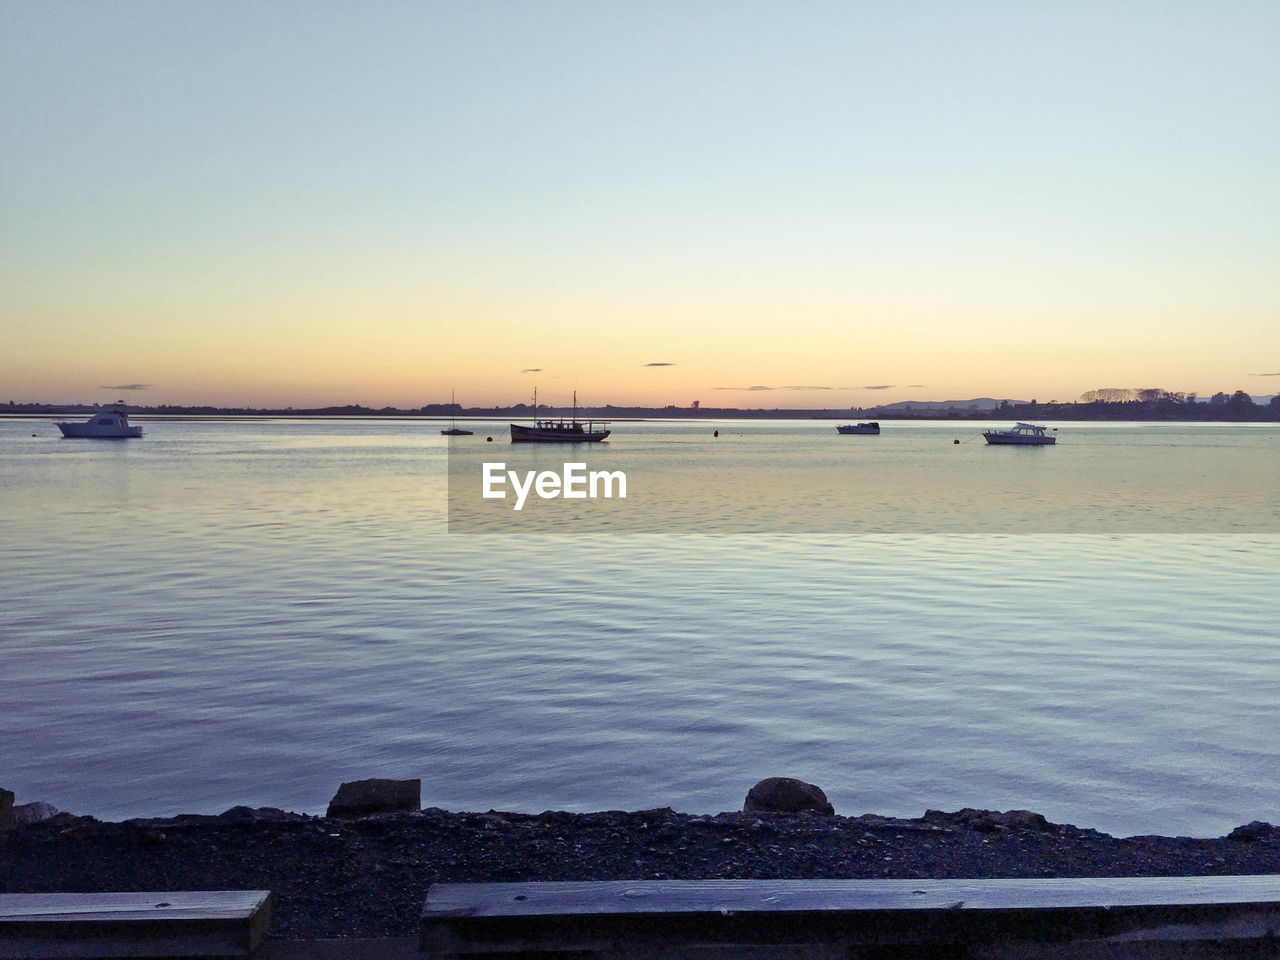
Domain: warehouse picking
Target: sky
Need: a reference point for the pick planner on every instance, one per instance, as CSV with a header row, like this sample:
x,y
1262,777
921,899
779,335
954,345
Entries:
x,y
790,204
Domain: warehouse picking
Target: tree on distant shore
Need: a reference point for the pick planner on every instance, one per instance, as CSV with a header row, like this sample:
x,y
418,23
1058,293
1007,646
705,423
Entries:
x,y
1107,395
1153,403
1240,403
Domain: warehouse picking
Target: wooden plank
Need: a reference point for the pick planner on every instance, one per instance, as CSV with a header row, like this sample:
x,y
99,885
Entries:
x,y
836,918
203,923
212,904
699,896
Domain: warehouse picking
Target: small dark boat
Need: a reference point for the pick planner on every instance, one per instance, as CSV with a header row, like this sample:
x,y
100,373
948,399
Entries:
x,y
871,429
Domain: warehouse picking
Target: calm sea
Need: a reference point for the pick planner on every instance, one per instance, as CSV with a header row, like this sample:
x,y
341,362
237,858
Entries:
x,y
230,612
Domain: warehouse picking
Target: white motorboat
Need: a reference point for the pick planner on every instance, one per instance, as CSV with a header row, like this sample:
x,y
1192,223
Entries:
x,y
108,425
1022,434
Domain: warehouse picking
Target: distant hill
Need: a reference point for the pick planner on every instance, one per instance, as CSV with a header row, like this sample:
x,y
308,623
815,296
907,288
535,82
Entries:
x,y
928,406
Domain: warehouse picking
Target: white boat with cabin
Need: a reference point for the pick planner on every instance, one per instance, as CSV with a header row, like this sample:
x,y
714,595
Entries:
x,y
107,425
1022,434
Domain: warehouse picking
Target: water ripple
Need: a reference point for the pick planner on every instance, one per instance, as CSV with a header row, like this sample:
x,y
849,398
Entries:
x,y
234,613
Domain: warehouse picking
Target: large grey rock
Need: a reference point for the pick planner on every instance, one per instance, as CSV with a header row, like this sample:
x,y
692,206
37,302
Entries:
x,y
786,795
1253,832
993,821
1027,820
360,798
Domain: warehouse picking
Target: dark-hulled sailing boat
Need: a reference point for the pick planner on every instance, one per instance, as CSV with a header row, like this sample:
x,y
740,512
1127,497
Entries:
x,y
559,431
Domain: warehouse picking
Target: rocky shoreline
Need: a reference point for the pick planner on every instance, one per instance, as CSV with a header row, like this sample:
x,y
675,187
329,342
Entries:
x,y
366,876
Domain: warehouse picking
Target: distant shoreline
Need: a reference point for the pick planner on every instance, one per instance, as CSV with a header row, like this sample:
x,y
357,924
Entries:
x,y
1098,411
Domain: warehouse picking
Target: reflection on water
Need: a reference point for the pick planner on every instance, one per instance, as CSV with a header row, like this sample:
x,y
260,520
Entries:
x,y
916,477
229,613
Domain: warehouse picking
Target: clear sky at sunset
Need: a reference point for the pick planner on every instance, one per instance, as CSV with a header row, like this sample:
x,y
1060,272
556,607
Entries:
x,y
278,203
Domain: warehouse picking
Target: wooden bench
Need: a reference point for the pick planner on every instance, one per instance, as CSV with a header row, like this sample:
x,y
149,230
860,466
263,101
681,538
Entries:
x,y
205,923
738,919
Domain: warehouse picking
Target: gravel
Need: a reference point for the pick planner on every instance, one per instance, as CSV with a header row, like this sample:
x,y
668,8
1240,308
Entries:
x,y
368,877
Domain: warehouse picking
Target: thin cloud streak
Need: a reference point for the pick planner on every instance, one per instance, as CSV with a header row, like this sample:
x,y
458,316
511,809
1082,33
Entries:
x,y
761,387
124,386
659,364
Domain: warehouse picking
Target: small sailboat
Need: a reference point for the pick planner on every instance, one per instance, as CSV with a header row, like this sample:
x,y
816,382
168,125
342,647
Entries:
x,y
454,430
